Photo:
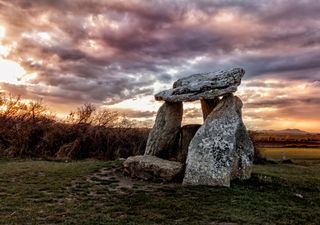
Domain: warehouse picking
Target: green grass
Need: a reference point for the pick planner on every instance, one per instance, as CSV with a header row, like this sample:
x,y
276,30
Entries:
x,y
40,192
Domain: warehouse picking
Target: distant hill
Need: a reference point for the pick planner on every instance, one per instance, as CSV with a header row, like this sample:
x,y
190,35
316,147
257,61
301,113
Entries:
x,y
285,131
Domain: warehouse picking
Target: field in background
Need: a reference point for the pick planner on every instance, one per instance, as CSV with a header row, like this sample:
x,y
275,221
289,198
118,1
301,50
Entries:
x,y
285,140
299,147
295,154
95,192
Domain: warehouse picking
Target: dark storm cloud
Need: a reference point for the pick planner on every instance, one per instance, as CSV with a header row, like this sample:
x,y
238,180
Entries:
x,y
296,65
108,51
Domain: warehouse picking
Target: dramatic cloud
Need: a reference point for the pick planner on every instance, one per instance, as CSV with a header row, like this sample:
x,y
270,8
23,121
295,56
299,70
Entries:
x,y
108,51
281,103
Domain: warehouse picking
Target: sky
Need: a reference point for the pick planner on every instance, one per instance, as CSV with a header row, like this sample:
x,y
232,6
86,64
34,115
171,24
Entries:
x,y
118,54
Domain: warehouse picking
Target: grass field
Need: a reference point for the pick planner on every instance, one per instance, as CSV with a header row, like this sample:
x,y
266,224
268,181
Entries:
x,y
95,192
299,154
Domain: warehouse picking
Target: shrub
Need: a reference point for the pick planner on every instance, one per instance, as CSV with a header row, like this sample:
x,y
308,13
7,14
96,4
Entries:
x,y
28,129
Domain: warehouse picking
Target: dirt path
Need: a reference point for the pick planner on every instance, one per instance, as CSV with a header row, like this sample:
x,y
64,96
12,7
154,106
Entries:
x,y
113,180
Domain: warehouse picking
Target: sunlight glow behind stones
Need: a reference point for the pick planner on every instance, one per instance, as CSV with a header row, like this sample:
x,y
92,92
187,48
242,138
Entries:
x,y
139,104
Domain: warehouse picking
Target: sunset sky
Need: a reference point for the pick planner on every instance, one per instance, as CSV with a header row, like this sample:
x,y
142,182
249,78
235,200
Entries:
x,y
118,54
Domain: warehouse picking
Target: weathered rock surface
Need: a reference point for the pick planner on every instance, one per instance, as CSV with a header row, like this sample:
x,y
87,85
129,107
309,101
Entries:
x,y
203,86
187,133
221,149
148,167
164,136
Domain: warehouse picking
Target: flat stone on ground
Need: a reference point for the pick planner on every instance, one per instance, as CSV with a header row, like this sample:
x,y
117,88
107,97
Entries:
x,y
149,167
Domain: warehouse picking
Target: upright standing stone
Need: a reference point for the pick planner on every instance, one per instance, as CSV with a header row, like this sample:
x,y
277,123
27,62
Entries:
x,y
221,149
164,136
207,105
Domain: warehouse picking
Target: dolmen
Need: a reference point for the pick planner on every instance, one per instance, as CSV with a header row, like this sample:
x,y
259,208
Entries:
x,y
213,153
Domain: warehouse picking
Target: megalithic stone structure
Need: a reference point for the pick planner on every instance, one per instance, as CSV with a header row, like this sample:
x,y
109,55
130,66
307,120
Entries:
x,y
221,149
